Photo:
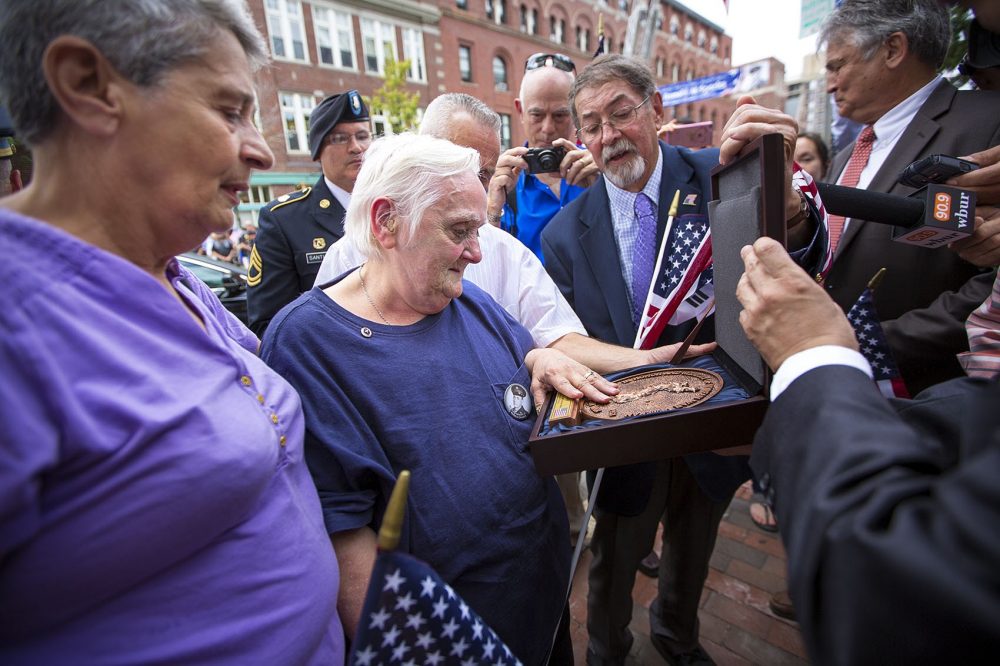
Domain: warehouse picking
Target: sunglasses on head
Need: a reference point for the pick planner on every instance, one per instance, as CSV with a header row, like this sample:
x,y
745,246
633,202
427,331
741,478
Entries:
x,y
559,61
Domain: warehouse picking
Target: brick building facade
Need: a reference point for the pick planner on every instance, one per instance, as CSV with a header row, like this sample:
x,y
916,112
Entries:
x,y
474,46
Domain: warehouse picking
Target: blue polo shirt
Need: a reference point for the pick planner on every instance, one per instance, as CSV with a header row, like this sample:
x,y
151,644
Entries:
x,y
536,205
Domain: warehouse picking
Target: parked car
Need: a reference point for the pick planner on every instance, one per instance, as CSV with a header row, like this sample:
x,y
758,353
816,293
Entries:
x,y
227,281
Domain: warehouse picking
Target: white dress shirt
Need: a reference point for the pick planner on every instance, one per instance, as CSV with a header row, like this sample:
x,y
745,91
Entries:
x,y
342,196
508,272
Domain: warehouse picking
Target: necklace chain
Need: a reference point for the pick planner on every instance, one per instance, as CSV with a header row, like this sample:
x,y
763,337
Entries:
x,y
364,288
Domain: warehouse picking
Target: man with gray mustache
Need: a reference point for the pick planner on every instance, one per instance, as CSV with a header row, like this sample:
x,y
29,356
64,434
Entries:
x,y
600,250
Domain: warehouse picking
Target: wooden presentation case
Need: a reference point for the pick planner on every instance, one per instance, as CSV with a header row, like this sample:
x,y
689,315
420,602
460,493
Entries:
x,y
748,201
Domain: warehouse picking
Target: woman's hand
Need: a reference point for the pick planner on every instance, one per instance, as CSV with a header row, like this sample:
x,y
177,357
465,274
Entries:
x,y
552,369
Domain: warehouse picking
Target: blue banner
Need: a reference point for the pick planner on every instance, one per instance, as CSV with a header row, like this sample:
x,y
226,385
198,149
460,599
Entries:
x,y
706,87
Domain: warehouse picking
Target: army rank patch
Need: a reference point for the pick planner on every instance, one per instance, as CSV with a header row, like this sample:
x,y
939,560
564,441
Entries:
x,y
255,269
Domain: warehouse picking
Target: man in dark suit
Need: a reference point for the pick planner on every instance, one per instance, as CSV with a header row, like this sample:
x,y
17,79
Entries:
x,y
888,509
590,253
882,56
295,230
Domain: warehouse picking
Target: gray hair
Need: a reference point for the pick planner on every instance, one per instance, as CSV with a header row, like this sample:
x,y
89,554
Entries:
x,y
410,170
868,23
442,107
142,39
612,67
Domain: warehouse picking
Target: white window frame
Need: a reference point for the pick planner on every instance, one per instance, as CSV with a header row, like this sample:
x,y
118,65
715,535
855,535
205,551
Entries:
x,y
381,33
302,105
467,49
328,27
557,29
413,50
287,24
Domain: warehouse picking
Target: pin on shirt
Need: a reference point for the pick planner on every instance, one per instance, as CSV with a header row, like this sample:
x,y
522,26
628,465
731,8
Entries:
x,y
515,399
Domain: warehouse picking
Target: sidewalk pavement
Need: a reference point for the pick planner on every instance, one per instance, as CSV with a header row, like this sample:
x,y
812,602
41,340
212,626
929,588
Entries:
x,y
737,627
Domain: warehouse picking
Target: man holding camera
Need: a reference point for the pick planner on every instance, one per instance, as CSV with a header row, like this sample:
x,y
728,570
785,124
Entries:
x,y
533,182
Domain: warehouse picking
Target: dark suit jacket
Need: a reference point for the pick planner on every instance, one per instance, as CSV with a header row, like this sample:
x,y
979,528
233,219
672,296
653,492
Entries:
x,y
926,294
293,234
581,255
890,517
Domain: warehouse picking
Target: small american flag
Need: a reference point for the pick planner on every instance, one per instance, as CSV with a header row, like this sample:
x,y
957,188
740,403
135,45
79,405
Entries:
x,y
682,287
413,617
805,183
875,348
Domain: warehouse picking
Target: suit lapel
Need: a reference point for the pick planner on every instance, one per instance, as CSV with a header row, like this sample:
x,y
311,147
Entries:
x,y
330,218
600,247
910,146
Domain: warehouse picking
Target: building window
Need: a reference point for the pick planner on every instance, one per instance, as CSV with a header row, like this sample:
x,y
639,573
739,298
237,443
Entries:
x,y
675,25
557,28
295,111
379,44
257,194
284,24
701,39
499,74
660,67
461,4
465,62
334,37
688,33
583,38
497,10
413,50
504,131
675,72
715,45
381,125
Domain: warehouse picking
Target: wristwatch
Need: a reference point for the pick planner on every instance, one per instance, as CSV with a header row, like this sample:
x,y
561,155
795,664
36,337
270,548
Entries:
x,y
803,211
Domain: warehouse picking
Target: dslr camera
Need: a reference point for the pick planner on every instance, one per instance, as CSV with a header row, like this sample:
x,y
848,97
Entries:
x,y
544,160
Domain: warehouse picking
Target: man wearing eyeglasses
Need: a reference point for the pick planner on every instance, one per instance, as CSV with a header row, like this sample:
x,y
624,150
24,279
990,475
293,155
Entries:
x,y
600,250
295,230
522,200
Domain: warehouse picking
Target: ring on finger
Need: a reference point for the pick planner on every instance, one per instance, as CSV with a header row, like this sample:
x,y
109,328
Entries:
x,y
586,377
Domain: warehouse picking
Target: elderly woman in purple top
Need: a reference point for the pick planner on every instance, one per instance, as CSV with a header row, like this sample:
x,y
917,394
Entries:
x,y
154,504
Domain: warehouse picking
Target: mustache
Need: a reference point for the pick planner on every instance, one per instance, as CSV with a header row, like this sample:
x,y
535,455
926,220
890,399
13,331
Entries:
x,y
619,147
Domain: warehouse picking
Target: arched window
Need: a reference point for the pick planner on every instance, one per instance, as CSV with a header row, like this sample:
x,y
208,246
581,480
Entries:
x,y
499,73
688,33
582,38
660,67
675,25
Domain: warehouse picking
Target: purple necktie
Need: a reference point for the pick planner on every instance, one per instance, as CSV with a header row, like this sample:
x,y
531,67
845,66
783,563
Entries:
x,y
644,253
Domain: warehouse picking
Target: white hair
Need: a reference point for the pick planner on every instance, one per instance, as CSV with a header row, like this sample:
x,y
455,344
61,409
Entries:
x,y
411,171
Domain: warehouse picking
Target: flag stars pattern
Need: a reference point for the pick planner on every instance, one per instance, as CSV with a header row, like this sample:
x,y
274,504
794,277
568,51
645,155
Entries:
x,y
418,619
874,346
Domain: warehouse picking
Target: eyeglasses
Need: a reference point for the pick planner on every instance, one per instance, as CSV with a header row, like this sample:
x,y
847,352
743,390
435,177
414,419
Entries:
x,y
619,119
363,137
559,61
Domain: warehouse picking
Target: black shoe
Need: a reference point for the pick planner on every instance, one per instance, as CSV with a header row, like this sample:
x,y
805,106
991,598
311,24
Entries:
x,y
695,657
650,565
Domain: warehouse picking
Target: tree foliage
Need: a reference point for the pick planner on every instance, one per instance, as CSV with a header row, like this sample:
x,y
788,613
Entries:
x,y
393,100
960,18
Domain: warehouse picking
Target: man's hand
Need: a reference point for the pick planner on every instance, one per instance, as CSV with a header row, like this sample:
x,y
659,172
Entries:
x,y
552,369
982,248
785,311
666,129
504,180
984,181
751,121
577,167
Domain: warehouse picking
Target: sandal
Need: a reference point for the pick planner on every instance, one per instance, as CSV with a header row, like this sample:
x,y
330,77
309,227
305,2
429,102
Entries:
x,y
768,523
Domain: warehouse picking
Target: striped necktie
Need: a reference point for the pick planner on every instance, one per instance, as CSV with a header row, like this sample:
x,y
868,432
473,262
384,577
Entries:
x,y
852,173
643,254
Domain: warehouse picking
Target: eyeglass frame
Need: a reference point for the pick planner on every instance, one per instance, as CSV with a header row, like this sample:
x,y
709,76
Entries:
x,y
632,110
540,60
347,138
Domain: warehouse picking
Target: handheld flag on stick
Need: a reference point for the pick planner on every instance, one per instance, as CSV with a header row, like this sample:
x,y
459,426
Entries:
x,y
685,275
871,340
411,616
600,35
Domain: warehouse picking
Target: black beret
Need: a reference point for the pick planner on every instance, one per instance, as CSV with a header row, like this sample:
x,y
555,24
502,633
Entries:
x,y
345,107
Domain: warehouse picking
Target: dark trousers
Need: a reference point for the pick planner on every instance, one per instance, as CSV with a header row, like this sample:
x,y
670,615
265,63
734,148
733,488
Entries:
x,y
690,524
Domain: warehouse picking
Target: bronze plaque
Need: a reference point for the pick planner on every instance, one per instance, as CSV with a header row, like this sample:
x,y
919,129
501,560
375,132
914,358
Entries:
x,y
657,391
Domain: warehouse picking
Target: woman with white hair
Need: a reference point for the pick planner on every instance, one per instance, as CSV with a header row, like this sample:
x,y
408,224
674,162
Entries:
x,y
402,365
154,503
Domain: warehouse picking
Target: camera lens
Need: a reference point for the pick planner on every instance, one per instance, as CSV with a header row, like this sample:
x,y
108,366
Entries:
x,y
548,160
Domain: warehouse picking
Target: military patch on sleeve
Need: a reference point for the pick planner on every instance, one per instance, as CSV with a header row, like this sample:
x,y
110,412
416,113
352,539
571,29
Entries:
x,y
291,197
255,270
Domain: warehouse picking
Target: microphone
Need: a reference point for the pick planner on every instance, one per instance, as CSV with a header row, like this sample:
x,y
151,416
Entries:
x,y
933,216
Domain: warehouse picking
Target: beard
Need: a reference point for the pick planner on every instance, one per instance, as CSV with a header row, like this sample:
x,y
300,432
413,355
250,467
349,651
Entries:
x,y
627,172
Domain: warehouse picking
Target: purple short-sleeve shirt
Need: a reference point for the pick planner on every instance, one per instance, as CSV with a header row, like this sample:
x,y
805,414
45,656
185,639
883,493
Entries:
x,y
154,503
